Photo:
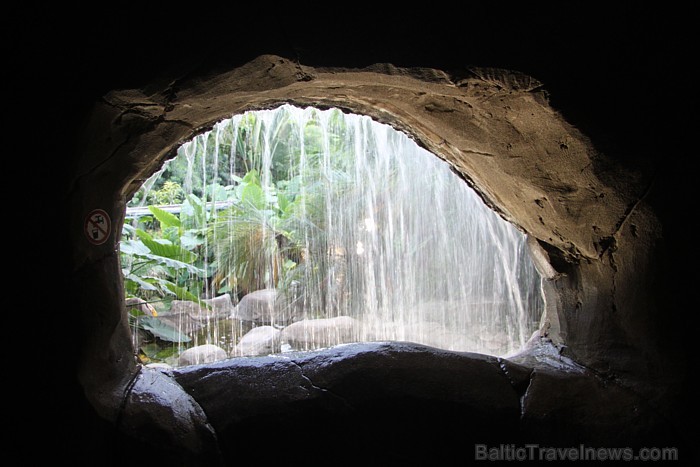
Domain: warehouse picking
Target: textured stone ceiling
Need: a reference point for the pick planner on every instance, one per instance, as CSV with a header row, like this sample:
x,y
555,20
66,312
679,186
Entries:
x,y
493,126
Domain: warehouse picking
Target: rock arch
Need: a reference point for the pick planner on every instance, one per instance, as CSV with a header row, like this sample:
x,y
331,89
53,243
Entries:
x,y
590,226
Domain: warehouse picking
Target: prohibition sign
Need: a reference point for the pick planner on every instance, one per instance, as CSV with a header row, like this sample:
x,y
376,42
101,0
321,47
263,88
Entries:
x,y
97,226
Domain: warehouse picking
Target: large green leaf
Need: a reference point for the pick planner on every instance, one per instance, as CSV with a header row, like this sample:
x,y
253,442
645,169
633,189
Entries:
x,y
133,247
166,219
170,263
162,330
182,293
216,192
139,281
251,177
166,250
190,240
253,196
194,213
283,202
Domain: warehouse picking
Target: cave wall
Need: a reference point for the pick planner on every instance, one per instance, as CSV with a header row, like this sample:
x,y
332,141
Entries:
x,y
595,230
494,127
622,313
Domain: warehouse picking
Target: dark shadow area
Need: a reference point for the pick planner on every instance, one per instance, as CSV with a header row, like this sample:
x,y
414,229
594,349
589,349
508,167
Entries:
x,y
616,71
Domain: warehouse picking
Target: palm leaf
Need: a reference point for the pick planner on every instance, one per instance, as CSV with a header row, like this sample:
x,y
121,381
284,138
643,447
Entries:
x,y
166,219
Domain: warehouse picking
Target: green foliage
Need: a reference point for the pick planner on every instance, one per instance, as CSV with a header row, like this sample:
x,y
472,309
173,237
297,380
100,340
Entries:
x,y
162,330
165,218
168,253
157,353
271,233
160,267
244,238
170,193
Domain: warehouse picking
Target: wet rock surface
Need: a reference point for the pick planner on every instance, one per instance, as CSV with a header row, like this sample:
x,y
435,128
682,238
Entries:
x,y
370,395
384,395
157,410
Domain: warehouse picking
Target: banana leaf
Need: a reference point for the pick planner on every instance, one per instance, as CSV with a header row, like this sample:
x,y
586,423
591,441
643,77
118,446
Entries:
x,y
139,281
182,293
166,219
170,263
166,250
162,330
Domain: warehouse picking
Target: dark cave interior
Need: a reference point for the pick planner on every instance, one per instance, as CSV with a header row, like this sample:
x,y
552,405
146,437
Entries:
x,y
612,70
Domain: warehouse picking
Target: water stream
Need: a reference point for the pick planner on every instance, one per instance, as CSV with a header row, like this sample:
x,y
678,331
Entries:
x,y
324,228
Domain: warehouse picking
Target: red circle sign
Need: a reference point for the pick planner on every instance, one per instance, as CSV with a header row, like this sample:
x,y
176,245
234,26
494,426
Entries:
x,y
98,226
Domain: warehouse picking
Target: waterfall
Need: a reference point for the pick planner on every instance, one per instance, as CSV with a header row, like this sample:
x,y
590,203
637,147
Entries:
x,y
353,231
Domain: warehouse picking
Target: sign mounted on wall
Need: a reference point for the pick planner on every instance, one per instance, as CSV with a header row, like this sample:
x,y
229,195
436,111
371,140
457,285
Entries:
x,y
98,225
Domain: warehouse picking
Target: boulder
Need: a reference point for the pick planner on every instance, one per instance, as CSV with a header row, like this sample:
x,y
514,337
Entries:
x,y
568,408
220,307
257,306
206,353
262,340
392,397
160,410
267,307
323,332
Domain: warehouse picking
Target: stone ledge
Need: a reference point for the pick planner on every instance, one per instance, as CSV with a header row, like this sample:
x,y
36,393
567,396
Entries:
x,y
439,402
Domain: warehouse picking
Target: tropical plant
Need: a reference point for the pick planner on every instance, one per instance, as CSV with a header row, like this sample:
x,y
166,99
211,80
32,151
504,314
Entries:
x,y
160,265
143,316
278,178
167,266
274,233
254,240
170,193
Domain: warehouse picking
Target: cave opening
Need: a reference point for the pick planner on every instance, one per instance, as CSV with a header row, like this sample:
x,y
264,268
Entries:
x,y
498,135
297,228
